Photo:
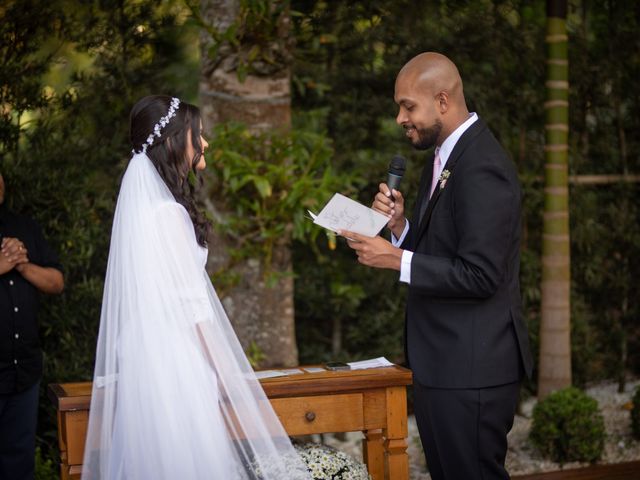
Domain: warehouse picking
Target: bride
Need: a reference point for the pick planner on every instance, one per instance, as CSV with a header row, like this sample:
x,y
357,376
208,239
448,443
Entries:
x,y
174,396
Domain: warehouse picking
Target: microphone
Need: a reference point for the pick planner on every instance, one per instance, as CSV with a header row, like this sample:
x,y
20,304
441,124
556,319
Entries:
x,y
397,166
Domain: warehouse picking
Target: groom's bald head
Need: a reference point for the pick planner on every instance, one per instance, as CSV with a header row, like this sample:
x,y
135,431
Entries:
x,y
435,73
429,93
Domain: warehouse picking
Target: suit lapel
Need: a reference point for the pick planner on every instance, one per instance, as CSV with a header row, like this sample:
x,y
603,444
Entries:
x,y
461,145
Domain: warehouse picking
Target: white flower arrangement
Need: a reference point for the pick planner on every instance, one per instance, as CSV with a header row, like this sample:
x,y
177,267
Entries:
x,y
327,463
321,461
444,176
163,122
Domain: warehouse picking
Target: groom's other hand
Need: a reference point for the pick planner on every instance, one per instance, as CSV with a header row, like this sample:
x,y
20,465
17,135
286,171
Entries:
x,y
374,251
391,203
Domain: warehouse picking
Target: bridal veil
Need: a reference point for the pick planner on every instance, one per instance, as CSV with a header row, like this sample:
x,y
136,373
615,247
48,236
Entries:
x,y
164,405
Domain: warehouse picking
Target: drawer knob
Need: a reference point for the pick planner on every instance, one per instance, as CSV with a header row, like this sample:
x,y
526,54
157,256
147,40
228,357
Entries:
x,y
310,416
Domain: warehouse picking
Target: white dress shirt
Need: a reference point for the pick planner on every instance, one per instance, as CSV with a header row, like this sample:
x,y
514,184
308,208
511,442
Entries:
x,y
445,151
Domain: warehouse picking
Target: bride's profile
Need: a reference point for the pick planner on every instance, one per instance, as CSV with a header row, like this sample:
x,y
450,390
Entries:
x,y
174,396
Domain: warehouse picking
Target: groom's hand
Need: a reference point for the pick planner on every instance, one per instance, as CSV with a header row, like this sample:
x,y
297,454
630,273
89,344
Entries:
x,y
374,251
391,203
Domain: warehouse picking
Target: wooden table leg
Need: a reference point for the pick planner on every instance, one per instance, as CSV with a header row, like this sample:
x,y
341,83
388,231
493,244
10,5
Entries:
x,y
373,453
64,464
396,433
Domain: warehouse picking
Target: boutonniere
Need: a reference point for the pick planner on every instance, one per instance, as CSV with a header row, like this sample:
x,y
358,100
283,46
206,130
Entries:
x,y
444,176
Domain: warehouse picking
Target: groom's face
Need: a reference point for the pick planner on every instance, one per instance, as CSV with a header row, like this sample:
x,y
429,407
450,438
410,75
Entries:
x,y
417,113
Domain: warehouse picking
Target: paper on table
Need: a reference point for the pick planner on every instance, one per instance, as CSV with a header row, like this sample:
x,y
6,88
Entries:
x,y
372,363
342,213
269,374
277,373
361,365
314,369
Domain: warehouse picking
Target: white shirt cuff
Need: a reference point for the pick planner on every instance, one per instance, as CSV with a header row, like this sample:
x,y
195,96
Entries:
x,y
405,266
397,242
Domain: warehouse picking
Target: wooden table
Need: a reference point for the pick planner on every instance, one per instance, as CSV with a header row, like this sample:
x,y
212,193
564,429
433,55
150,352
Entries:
x,y
372,401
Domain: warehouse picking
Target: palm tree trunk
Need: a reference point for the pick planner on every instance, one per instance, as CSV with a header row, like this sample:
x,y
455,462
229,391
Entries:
x,y
555,326
261,312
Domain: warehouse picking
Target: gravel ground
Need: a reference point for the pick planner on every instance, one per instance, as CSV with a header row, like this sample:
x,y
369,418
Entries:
x,y
522,457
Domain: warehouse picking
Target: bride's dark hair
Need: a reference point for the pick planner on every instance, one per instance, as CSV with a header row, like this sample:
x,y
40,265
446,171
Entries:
x,y
169,152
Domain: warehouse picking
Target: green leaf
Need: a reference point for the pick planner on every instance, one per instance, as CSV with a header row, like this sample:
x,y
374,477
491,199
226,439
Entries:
x,y
263,186
242,72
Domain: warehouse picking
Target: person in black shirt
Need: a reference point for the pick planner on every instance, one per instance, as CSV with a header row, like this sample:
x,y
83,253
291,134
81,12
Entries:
x,y
27,266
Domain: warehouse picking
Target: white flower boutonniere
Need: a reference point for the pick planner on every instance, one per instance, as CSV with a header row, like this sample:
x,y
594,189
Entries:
x,y
444,176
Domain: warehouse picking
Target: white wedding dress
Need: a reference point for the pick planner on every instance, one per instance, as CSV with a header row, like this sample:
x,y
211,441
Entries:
x,y
163,406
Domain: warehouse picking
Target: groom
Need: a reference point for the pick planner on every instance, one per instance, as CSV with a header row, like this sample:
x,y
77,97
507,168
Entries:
x,y
466,340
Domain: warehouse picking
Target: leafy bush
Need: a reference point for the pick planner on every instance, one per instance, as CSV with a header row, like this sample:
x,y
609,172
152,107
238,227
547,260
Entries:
x,y
635,414
567,426
46,468
268,180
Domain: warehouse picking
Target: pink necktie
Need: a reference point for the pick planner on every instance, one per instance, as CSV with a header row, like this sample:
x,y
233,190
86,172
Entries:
x,y
436,172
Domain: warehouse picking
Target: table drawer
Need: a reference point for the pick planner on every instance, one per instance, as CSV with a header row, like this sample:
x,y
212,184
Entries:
x,y
322,413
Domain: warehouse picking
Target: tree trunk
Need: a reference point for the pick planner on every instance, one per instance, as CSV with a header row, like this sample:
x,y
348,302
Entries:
x,y
261,313
555,326
622,142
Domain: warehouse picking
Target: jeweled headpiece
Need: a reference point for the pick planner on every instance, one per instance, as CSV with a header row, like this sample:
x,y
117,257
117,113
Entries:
x,y
163,122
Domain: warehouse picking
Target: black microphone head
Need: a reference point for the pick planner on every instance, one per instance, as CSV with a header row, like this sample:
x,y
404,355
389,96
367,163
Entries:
x,y
398,165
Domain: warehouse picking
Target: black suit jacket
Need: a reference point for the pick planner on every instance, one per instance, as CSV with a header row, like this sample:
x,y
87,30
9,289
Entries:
x,y
464,324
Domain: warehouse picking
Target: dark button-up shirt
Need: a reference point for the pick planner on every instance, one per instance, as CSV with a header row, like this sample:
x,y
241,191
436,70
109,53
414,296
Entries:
x,y
20,354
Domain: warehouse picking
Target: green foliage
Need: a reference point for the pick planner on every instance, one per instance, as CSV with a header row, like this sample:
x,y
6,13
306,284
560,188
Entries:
x,y
255,355
268,181
605,220
635,413
46,468
567,426
334,292
603,279
24,62
256,38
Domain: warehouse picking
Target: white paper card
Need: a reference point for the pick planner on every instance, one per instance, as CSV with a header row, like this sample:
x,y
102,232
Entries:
x,y
314,369
342,213
269,374
373,363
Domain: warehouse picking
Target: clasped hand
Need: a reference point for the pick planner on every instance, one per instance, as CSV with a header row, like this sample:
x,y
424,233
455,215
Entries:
x,y
376,251
14,254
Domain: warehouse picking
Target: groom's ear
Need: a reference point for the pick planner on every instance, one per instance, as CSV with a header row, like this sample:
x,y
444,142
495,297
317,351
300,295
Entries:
x,y
442,100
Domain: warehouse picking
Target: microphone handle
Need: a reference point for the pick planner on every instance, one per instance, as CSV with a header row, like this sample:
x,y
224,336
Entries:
x,y
393,182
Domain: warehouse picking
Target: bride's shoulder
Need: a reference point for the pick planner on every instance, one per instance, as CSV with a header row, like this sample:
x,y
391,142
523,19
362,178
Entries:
x,y
172,220
171,208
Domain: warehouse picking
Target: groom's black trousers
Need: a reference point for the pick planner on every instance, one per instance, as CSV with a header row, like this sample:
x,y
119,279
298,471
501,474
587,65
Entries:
x,y
464,431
